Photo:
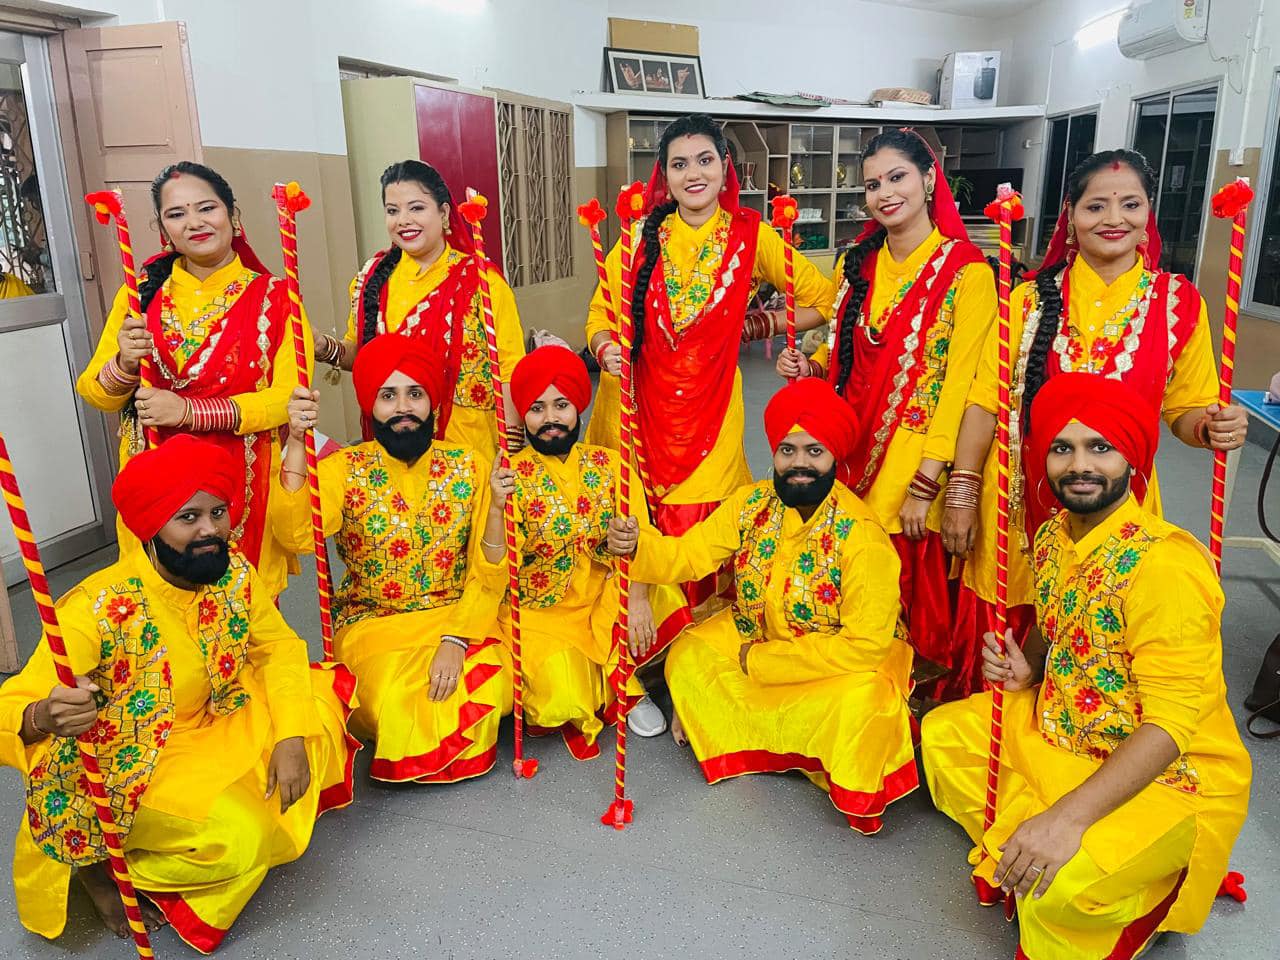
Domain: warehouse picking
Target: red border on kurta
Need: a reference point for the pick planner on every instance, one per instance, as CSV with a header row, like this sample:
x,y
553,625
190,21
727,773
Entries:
x,y
186,924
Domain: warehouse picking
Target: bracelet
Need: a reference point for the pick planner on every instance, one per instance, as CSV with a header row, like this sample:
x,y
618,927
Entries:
x,y
600,352
31,719
219,415
456,641
923,487
296,473
975,474
187,417
964,491
1201,432
115,381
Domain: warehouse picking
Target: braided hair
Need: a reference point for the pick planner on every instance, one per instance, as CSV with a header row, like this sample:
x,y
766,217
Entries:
x,y
429,179
1048,292
159,269
693,125
910,145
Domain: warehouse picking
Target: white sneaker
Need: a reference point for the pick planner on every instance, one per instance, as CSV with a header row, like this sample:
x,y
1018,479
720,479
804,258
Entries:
x,y
646,720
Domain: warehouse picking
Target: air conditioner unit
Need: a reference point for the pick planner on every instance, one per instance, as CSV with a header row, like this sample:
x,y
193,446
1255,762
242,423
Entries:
x,y
1156,27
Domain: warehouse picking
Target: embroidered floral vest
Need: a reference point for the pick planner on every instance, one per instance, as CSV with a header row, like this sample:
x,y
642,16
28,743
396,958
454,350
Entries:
x,y
811,592
401,558
135,711
556,531
1089,702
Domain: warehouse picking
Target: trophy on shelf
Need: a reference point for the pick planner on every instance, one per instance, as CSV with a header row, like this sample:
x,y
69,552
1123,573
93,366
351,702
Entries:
x,y
797,175
842,174
748,175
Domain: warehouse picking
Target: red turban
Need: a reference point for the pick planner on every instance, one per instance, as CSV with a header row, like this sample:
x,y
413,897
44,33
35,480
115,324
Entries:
x,y
550,366
813,405
155,484
1118,412
384,355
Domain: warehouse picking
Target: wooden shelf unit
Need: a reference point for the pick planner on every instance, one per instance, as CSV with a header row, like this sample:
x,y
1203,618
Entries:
x,y
816,162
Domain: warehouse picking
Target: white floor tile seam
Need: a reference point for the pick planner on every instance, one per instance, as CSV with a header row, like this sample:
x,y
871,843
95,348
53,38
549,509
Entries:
x,y
627,860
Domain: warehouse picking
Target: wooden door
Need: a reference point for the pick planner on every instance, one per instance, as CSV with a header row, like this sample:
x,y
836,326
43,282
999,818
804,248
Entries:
x,y
135,113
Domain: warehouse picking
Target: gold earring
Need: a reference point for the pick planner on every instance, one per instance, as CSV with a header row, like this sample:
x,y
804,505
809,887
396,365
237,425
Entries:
x,y
1071,234
1143,241
928,195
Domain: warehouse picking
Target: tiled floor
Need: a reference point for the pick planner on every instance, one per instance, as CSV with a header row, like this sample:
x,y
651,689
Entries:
x,y
760,867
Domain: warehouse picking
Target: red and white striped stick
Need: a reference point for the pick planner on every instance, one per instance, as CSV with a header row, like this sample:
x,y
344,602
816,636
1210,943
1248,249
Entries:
x,y
1231,202
108,205
290,201
473,210
1006,208
630,206
66,677
785,211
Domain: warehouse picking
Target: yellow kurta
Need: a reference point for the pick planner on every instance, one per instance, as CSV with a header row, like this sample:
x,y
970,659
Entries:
x,y
203,838
931,420
198,306
826,685
725,468
405,534
569,591
1132,614
472,422
1192,386
11,285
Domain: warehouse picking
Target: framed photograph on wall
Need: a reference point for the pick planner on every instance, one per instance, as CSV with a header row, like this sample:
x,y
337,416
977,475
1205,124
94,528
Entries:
x,y
660,74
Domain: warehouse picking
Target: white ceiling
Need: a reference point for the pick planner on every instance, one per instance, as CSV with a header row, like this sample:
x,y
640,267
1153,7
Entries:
x,y
988,9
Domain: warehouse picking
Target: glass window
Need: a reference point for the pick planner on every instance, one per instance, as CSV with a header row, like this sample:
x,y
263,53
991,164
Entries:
x,y
1265,219
25,267
1070,141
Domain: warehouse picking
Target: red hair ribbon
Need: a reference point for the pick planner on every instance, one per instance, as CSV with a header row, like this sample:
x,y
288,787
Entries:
x,y
785,210
1230,200
474,208
591,213
106,204
631,201
1005,194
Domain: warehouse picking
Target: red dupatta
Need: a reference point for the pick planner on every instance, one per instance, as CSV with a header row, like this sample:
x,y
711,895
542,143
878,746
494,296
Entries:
x,y
887,366
237,357
684,381
1155,335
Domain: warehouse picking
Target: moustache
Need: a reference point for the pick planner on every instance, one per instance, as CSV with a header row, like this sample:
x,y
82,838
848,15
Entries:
x,y
1069,478
548,427
801,472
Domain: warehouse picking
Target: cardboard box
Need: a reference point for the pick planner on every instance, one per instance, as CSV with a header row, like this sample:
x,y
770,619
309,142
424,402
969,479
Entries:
x,y
653,36
970,79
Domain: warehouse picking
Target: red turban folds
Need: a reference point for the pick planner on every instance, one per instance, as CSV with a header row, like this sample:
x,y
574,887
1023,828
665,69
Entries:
x,y
1118,412
384,355
550,366
813,405
155,484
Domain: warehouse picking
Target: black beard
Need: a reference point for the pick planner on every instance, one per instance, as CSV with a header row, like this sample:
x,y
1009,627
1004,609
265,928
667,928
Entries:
x,y
405,445
807,494
203,568
554,446
1112,490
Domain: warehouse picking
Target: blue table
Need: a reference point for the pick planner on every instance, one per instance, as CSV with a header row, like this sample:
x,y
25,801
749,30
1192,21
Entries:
x,y
1269,414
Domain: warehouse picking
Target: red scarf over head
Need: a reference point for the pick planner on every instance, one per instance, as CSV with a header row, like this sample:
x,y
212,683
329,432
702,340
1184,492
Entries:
x,y
878,362
684,382
236,362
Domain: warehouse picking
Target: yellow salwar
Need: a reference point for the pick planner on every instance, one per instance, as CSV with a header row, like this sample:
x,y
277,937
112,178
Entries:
x,y
725,468
569,597
825,690
202,837
1141,646
199,306
403,532
931,421
11,286
472,422
1193,385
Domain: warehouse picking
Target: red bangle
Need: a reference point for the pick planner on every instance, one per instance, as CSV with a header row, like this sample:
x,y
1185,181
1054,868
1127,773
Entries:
x,y
600,352
1201,431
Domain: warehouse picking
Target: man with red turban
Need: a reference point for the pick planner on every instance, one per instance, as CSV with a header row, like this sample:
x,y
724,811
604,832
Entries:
x,y
411,617
1123,782
563,494
809,668
181,645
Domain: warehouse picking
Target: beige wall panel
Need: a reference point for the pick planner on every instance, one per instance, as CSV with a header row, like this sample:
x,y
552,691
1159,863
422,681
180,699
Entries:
x,y
1258,338
382,128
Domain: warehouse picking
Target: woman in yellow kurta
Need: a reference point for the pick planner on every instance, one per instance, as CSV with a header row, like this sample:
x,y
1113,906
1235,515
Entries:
x,y
1125,319
915,302
216,332
808,669
412,619
700,261
12,285
427,284
1123,782
563,495
189,670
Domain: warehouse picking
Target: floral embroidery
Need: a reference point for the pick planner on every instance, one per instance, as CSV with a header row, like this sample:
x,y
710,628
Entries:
x,y
188,335
1089,703
689,295
385,541
559,530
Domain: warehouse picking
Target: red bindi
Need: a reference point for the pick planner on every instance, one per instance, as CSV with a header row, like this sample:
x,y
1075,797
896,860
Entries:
x,y
1115,164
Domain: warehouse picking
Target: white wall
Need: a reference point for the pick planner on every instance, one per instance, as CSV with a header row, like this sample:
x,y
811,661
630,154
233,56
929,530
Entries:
x,y
266,70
